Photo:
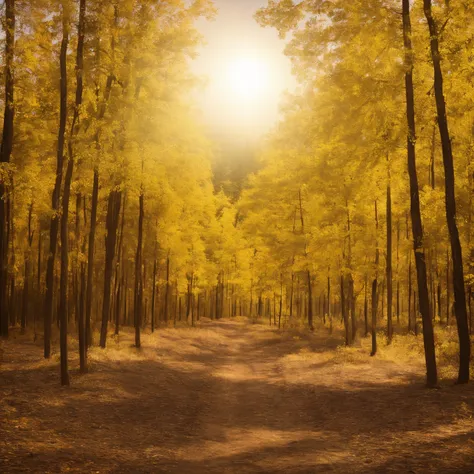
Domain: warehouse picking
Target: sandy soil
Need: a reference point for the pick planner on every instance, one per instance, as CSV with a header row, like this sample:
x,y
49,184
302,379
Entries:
x,y
229,397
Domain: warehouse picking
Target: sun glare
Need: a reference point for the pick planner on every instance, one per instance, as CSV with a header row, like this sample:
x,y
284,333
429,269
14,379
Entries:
x,y
247,77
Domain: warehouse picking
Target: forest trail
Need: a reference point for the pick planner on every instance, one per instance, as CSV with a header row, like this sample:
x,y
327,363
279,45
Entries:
x,y
229,397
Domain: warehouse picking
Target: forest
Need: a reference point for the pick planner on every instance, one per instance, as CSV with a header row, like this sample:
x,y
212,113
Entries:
x,y
332,271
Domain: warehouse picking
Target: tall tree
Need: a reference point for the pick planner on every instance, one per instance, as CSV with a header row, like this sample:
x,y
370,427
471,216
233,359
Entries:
x,y
389,256
64,277
5,156
138,274
450,200
112,219
73,135
55,217
417,229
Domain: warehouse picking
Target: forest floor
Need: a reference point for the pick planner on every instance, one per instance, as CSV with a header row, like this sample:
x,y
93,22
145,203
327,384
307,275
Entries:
x,y
230,397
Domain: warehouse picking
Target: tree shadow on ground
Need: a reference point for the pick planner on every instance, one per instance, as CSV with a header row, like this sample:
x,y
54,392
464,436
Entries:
x,y
230,410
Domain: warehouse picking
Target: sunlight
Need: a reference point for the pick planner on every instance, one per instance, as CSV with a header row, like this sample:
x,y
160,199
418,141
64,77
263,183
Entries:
x,y
244,74
247,77
243,91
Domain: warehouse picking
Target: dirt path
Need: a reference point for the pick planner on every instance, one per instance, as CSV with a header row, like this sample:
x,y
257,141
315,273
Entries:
x,y
229,397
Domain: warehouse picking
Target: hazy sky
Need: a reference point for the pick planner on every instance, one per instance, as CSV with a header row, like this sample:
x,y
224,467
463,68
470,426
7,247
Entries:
x,y
235,42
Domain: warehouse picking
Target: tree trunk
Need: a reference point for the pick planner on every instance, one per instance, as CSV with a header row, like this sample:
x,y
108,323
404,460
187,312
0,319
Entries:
x,y
5,155
153,294
456,250
191,298
188,302
217,297
138,276
344,313
198,309
366,309
38,281
374,318
352,301
25,305
67,188
448,288
63,284
310,303
409,295
167,290
329,303
292,296
389,262
398,274
417,229
119,270
113,212
90,256
374,301
54,225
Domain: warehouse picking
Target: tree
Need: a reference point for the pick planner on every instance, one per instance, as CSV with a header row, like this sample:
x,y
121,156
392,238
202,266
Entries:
x,y
417,229
456,250
5,156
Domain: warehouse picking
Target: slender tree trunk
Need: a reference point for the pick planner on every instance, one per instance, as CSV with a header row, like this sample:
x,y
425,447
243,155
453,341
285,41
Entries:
x,y
176,303
417,229
374,317
374,301
389,261
90,256
439,299
292,295
432,158
456,250
470,311
63,284
398,273
25,300
5,155
415,314
119,270
217,297
198,309
188,303
222,295
11,252
38,281
168,287
344,313
448,288
118,295
366,309
76,268
352,303
310,303
26,284
54,226
138,276
113,212
409,295
281,302
322,307
153,294
329,303
383,298
66,193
